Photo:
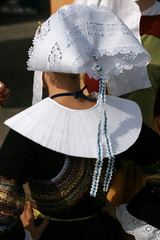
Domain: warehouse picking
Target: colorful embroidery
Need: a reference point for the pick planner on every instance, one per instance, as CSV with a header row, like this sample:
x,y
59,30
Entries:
x,y
151,173
55,196
11,203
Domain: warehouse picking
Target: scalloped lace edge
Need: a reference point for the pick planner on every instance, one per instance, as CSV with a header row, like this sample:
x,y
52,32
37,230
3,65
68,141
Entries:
x,y
140,229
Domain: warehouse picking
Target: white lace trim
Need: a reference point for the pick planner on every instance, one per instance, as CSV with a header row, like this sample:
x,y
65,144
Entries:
x,y
120,63
37,87
140,229
119,85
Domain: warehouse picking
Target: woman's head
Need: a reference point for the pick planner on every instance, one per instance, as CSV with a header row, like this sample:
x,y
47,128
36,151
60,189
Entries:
x,y
60,80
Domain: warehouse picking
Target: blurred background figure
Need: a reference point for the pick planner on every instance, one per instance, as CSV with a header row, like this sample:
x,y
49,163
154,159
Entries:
x,y
150,37
4,94
16,31
21,7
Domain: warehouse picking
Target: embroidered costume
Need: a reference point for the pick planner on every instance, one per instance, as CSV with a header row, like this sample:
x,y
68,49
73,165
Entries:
x,y
55,185
64,158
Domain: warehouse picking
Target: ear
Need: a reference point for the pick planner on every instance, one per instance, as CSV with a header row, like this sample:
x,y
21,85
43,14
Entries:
x,y
48,78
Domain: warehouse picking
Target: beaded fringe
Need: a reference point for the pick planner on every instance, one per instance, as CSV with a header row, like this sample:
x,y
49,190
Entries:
x,y
102,131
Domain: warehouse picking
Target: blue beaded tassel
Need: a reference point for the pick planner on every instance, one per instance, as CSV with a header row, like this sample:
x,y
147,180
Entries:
x,y
111,158
102,140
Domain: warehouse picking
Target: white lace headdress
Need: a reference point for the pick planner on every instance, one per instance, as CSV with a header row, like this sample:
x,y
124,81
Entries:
x,y
77,38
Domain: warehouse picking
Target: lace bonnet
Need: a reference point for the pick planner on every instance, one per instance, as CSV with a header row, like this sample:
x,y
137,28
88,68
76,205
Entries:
x,y
77,38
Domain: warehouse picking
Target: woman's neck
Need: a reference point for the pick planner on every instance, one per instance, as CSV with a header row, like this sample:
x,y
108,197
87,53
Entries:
x,y
145,4
63,84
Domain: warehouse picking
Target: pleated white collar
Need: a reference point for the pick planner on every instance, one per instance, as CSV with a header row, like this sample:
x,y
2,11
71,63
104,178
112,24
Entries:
x,y
74,132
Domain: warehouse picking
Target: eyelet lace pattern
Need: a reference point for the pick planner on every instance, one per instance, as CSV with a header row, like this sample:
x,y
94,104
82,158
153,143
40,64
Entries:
x,y
140,229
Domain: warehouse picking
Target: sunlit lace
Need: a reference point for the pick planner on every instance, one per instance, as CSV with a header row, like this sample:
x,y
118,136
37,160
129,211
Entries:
x,y
80,33
72,36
